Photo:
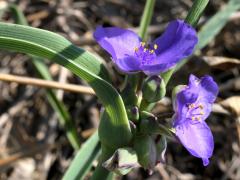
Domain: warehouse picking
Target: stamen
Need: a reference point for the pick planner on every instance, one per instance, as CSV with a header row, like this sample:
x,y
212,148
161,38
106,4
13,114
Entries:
x,y
143,44
173,130
191,106
193,118
155,46
200,106
201,112
136,49
198,118
152,51
145,49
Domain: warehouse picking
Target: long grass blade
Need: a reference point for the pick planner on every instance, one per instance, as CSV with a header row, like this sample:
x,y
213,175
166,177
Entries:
x,y
84,158
216,23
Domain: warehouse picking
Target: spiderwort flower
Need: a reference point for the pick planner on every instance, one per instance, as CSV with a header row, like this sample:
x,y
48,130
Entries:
x,y
192,106
131,55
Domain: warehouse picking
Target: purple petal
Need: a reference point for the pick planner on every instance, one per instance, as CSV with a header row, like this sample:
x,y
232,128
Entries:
x,y
128,64
206,87
120,43
155,69
177,42
205,161
184,97
210,88
197,139
207,108
187,96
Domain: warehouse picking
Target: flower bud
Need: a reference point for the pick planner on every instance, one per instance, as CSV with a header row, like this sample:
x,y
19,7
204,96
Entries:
x,y
122,161
133,113
154,89
146,150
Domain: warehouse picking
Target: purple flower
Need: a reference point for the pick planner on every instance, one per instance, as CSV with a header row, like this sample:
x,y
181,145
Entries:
x,y
192,106
131,55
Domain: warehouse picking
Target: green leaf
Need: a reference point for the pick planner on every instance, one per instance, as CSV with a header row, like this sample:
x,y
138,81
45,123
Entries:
x,y
146,18
196,11
82,63
18,15
82,161
58,106
216,23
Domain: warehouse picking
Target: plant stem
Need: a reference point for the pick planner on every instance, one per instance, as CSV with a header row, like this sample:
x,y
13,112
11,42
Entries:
x,y
146,18
196,11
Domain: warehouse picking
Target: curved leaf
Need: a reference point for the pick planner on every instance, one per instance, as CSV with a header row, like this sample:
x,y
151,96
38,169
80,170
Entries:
x,y
82,161
82,63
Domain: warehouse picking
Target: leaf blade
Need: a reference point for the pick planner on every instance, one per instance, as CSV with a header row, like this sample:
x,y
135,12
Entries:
x,y
216,23
82,161
56,48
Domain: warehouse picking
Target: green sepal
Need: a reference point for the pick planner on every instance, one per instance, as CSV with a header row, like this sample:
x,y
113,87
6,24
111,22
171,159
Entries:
x,y
161,149
154,89
151,126
122,161
146,150
133,113
147,115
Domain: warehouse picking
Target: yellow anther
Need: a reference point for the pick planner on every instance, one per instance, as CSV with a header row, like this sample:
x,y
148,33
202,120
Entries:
x,y
152,51
136,49
155,46
173,130
201,112
200,106
191,106
198,118
143,44
193,118
145,49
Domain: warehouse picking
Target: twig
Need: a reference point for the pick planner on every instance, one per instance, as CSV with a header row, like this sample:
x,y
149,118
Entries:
x,y
62,79
26,152
46,84
38,16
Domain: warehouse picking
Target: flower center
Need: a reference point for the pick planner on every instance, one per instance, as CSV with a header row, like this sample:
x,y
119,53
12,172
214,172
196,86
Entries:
x,y
145,53
195,111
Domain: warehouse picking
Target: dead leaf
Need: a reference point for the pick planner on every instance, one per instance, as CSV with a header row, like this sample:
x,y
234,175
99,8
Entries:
x,y
233,104
222,63
232,84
